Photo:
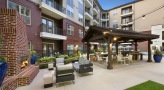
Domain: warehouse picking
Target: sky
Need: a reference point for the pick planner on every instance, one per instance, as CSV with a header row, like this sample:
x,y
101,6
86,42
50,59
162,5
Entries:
x,y
108,4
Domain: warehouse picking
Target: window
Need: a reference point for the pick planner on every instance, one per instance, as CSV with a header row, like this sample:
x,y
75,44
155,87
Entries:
x,y
69,13
80,47
80,19
80,33
29,46
47,25
115,24
80,8
114,13
70,30
70,3
70,48
25,12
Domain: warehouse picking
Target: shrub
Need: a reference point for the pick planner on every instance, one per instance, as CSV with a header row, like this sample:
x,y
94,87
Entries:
x,y
3,59
46,59
157,52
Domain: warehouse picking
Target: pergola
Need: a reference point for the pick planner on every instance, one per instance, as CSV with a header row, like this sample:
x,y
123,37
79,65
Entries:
x,y
110,35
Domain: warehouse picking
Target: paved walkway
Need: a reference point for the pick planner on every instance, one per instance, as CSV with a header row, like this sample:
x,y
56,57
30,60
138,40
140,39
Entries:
x,y
103,79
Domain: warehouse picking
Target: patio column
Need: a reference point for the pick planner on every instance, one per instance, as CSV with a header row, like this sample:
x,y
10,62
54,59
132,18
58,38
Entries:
x,y
136,46
116,47
88,50
149,51
109,41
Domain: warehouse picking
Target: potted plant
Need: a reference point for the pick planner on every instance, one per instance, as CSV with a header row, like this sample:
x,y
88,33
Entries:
x,y
157,56
3,69
33,56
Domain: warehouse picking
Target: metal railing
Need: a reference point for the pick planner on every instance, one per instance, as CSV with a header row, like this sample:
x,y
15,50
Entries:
x,y
90,1
53,30
87,24
126,22
56,6
96,19
88,11
96,9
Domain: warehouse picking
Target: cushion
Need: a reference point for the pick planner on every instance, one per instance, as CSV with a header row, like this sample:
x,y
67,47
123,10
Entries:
x,y
59,60
48,78
64,67
50,65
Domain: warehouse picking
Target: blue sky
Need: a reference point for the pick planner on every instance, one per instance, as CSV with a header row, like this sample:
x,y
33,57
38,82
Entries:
x,y
108,4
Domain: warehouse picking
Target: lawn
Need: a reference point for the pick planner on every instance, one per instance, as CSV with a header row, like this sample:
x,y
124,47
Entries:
x,y
148,85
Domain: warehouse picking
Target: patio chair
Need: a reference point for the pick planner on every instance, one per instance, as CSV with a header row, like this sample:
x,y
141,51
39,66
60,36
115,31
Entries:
x,y
120,59
130,59
59,61
99,58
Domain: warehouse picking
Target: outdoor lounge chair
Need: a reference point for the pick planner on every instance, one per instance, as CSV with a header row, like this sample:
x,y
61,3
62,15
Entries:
x,y
120,59
83,66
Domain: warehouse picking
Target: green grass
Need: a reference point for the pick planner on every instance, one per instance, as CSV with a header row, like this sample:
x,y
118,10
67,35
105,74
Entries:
x,y
148,85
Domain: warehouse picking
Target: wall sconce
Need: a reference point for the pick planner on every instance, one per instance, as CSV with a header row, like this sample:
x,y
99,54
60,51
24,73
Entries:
x,y
76,46
143,16
114,38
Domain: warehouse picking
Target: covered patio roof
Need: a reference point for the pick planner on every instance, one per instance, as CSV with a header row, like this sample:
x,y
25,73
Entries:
x,y
97,34
110,35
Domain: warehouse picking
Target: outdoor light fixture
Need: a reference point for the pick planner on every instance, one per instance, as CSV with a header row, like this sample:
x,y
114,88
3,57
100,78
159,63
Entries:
x,y
105,33
143,16
76,46
114,38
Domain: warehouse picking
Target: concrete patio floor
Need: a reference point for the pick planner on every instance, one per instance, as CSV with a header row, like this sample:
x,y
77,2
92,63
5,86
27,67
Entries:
x,y
103,79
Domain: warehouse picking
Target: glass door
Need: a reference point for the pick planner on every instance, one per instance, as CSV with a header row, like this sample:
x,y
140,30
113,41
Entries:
x,y
48,49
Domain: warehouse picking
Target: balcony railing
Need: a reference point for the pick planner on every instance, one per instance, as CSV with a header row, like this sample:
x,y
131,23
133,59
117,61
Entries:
x,y
88,11
87,24
96,19
105,17
90,1
52,30
56,6
96,9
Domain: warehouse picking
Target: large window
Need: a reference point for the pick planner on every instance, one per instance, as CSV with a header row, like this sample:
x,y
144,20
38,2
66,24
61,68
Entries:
x,y
80,47
80,8
115,24
47,25
69,13
80,33
25,12
70,48
70,30
70,3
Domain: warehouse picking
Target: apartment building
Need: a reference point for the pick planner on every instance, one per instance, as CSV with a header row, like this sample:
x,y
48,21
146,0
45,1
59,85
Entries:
x,y
56,25
52,25
92,14
139,15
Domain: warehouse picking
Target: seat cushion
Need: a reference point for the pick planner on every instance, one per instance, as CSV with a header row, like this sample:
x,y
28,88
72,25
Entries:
x,y
48,78
59,60
64,67
50,65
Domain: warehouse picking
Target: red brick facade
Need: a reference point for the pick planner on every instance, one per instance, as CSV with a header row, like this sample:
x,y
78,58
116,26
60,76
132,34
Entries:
x,y
33,30
75,39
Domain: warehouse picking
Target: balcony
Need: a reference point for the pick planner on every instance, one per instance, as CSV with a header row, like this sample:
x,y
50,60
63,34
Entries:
x,y
54,10
88,3
95,11
55,33
127,23
95,21
127,14
88,15
106,18
87,25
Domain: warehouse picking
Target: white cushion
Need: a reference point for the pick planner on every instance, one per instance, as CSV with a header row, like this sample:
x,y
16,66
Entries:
x,y
65,67
48,78
50,65
59,60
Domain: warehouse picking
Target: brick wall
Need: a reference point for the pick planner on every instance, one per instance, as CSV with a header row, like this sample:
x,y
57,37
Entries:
x,y
33,30
75,40
15,43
